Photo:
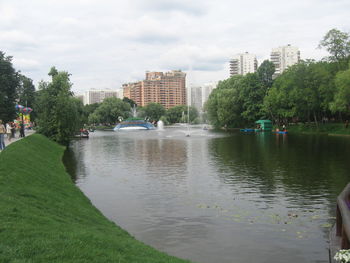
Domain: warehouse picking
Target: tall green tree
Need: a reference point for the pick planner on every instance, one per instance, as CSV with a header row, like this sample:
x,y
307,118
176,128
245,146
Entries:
x,y
265,73
57,109
130,101
180,114
9,83
251,95
87,110
26,91
224,106
110,110
341,101
337,43
153,111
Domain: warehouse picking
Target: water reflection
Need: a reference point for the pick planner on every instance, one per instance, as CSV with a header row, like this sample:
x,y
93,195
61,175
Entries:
x,y
218,198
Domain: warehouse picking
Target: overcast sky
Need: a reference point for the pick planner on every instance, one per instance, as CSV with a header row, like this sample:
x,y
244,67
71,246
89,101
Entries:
x,y
105,43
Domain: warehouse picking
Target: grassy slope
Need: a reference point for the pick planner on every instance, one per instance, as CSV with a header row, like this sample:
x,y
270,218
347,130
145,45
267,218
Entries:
x,y
44,217
329,128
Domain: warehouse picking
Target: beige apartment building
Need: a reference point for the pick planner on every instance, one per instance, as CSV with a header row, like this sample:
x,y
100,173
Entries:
x,y
167,89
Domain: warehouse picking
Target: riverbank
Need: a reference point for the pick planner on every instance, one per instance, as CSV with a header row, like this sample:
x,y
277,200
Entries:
x,y
326,128
46,218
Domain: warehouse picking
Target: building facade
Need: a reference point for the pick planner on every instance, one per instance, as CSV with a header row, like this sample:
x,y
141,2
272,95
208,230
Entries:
x,y
167,89
200,95
243,63
97,96
284,57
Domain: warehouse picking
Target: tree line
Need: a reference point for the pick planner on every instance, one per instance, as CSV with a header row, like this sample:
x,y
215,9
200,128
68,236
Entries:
x,y
310,91
59,115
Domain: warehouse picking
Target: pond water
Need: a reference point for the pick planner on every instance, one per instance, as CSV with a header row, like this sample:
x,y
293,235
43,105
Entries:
x,y
218,197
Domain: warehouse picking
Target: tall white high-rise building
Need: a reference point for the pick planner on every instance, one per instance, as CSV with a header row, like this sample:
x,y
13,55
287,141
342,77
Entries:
x,y
284,57
200,94
244,63
97,96
206,90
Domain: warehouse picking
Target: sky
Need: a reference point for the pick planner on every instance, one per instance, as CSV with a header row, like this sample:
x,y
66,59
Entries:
x,y
105,43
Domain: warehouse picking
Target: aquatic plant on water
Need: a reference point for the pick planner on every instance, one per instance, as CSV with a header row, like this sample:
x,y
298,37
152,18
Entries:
x,y
342,256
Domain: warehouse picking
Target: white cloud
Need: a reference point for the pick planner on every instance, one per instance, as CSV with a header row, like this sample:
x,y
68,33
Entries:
x,y
106,43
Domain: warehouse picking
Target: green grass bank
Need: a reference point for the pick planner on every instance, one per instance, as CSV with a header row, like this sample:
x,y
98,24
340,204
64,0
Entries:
x,y
44,217
327,128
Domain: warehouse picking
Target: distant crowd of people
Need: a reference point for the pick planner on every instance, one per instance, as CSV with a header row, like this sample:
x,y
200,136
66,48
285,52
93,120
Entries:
x,y
9,129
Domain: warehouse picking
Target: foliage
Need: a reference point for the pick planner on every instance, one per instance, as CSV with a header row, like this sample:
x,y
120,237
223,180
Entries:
x,y
265,73
164,120
337,43
87,110
26,93
9,83
57,110
48,219
342,256
130,102
153,111
341,101
179,114
109,111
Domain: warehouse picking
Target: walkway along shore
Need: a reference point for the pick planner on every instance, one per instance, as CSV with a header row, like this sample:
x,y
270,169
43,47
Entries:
x,y
27,133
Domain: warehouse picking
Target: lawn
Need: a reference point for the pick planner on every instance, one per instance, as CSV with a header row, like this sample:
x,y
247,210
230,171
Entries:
x,y
44,217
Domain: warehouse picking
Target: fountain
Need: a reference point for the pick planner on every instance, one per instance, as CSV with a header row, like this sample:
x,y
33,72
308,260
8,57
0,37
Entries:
x,y
160,125
134,123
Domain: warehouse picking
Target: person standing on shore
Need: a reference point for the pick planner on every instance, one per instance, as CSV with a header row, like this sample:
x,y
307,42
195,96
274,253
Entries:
x,y
13,130
2,136
21,130
8,131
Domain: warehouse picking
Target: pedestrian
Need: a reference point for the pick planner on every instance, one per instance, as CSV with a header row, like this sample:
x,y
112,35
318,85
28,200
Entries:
x,y
2,136
13,130
21,130
8,131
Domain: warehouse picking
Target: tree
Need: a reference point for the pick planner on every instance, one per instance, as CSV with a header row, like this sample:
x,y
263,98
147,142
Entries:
x,y
26,91
153,111
251,95
341,101
88,109
109,111
337,43
224,107
179,113
9,83
130,101
265,73
58,112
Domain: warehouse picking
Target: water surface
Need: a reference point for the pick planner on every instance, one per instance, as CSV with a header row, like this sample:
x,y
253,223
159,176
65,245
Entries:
x,y
218,197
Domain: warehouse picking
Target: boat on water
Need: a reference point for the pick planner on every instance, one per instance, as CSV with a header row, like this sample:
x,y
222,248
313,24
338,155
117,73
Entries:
x,y
247,130
281,132
134,124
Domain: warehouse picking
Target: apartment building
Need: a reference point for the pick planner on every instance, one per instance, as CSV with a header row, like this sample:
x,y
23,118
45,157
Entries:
x,y
200,94
167,89
284,57
243,63
97,96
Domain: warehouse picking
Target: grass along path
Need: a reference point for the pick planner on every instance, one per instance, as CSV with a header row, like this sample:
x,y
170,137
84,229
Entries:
x,y
44,217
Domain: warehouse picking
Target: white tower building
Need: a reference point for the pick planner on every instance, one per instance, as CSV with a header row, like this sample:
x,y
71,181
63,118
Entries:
x,y
97,96
244,63
284,57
